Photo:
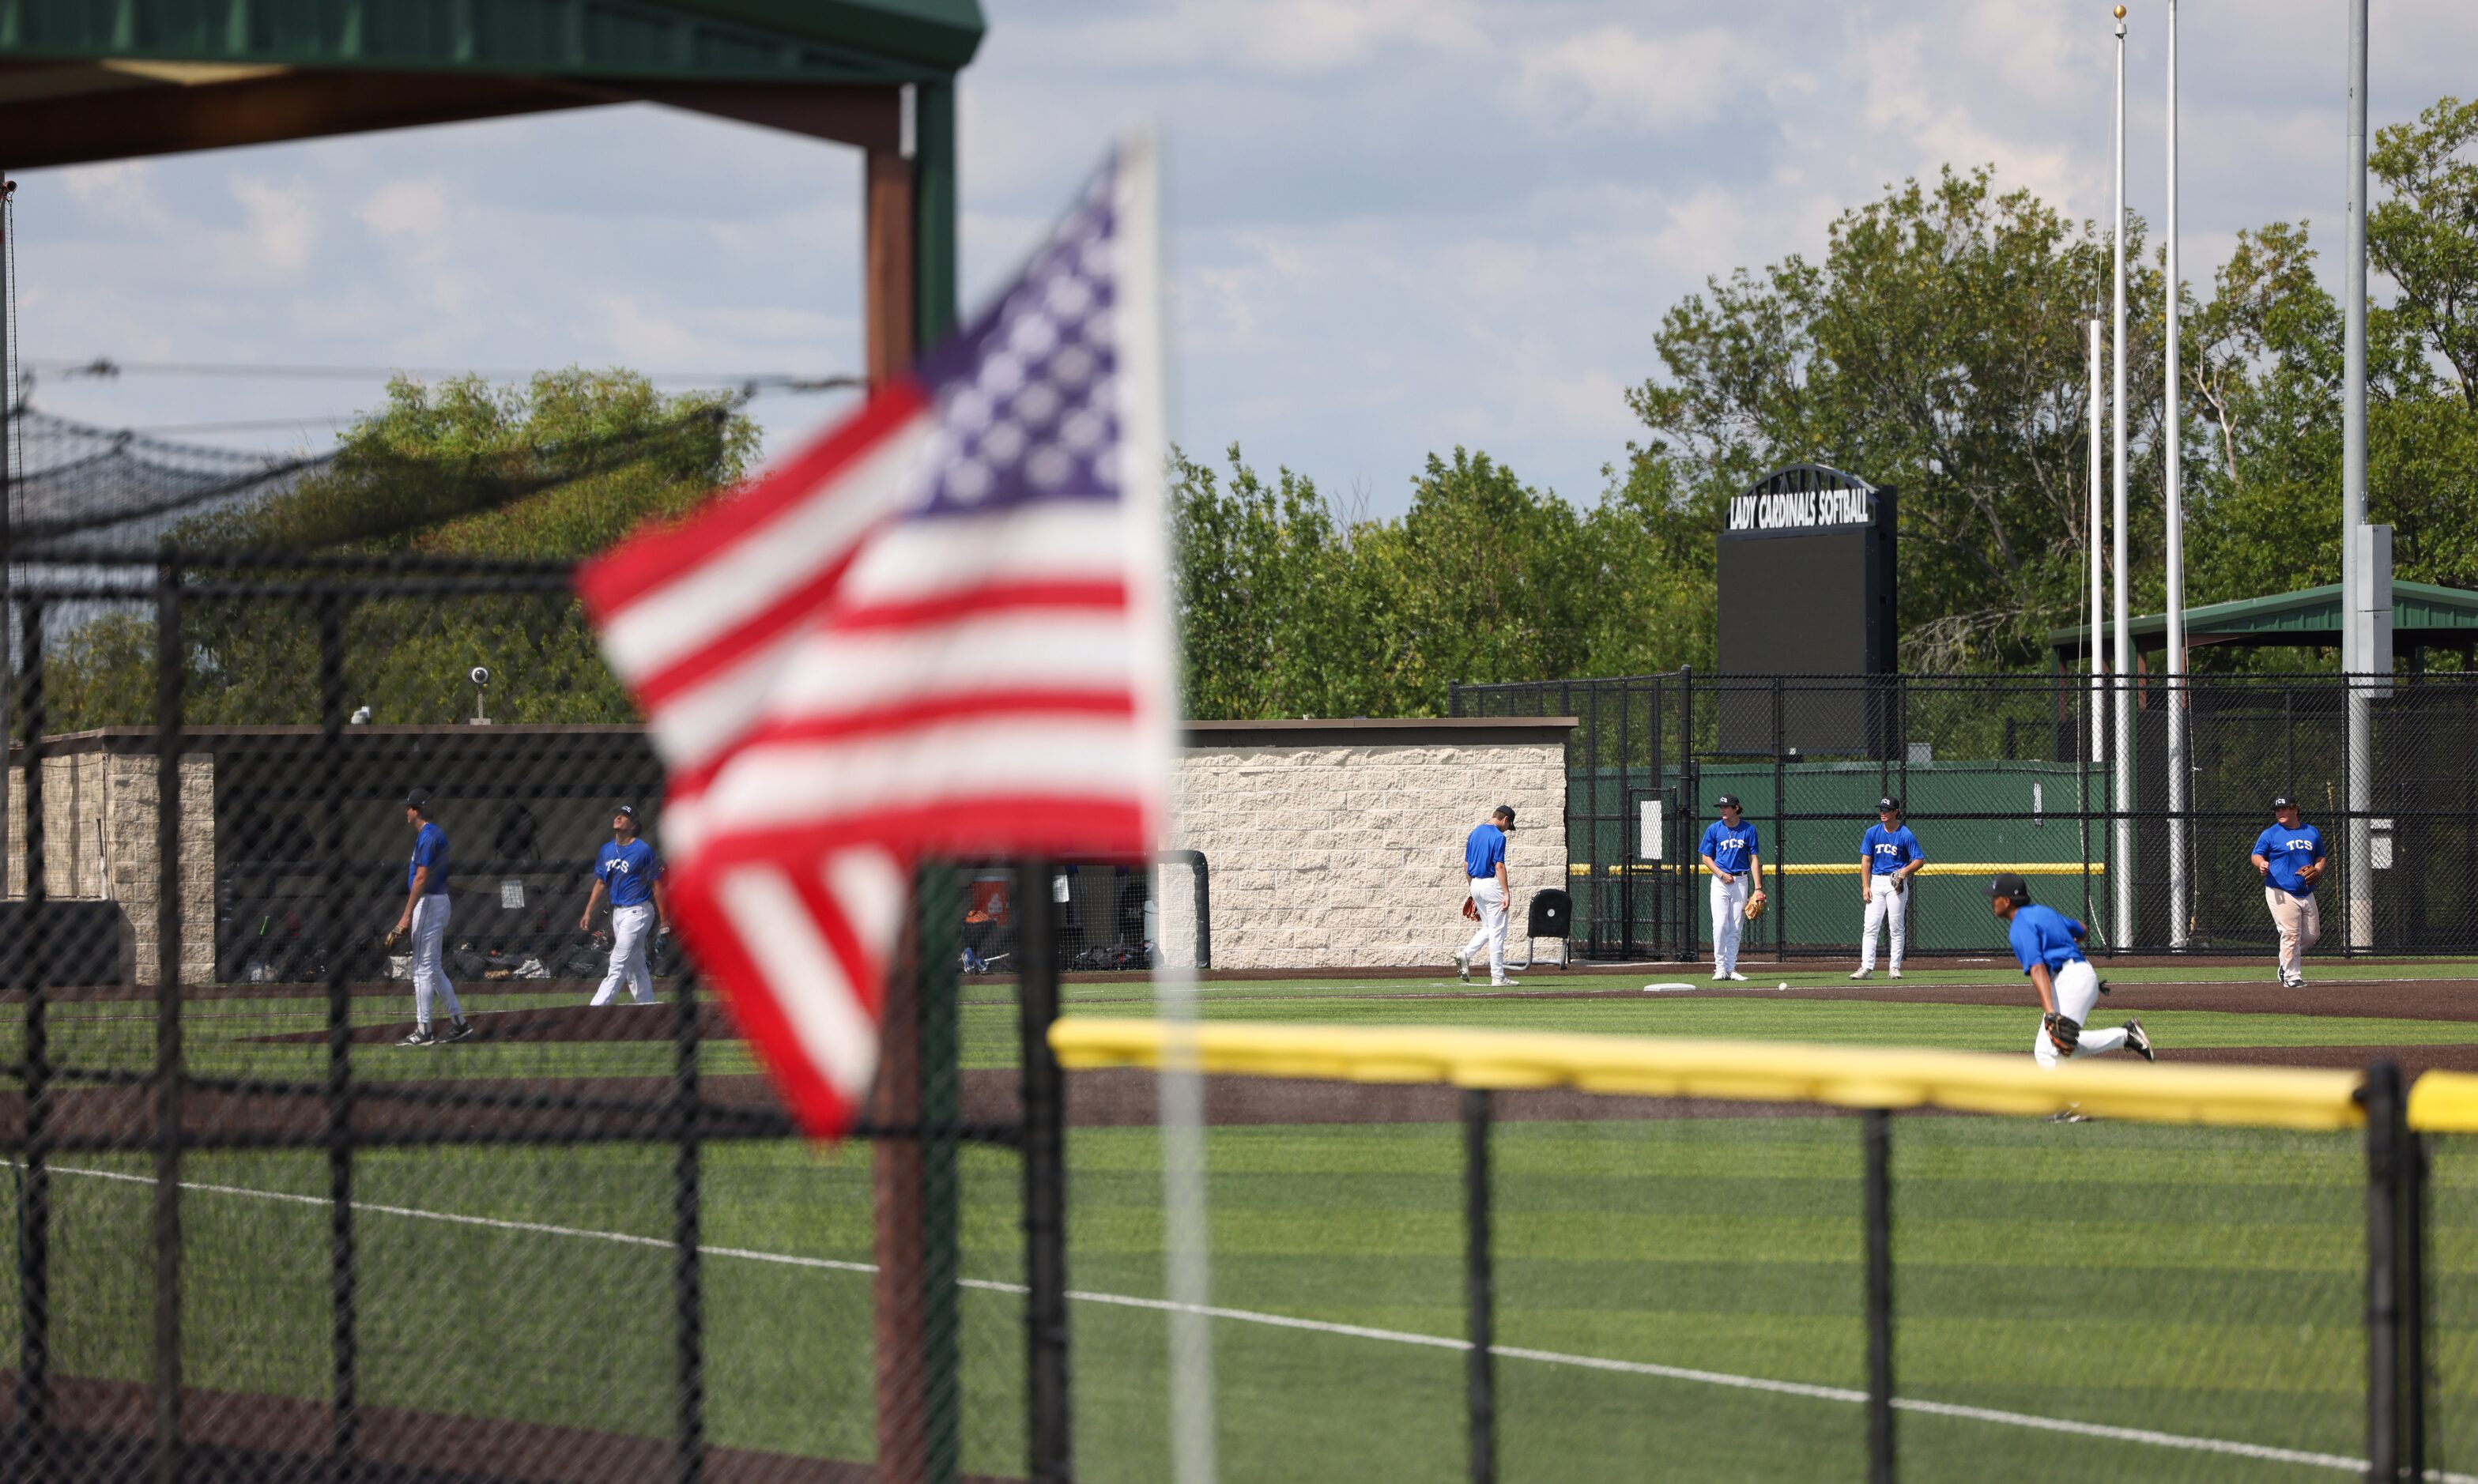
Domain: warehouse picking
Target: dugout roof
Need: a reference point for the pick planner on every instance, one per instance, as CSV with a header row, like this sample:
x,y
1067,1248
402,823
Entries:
x,y
2423,613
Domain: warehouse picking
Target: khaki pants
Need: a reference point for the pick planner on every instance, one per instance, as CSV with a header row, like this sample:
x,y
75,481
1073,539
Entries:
x,y
2300,922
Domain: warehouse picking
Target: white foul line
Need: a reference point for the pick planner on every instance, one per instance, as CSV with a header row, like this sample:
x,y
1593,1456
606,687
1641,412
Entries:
x,y
2261,1453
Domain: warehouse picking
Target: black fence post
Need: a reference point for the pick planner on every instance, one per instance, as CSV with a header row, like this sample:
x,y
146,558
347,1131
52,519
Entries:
x,y
2417,1370
1689,805
1480,1287
688,1274
1876,1131
2380,1096
344,1323
1781,801
1048,1422
34,1188
168,652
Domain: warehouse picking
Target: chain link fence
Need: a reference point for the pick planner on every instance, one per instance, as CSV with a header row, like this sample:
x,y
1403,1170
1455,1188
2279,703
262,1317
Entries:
x,y
316,1175
2021,773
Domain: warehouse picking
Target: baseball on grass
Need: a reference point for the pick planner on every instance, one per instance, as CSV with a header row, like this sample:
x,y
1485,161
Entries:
x,y
1784,984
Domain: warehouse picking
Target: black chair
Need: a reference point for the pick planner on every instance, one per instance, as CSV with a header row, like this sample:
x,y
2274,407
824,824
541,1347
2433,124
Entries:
x,y
1553,916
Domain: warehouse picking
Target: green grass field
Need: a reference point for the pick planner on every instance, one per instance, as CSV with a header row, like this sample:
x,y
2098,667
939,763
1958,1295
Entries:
x,y
2202,1284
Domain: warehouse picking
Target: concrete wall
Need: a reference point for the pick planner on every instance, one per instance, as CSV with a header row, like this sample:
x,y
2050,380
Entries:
x,y
99,846
1339,844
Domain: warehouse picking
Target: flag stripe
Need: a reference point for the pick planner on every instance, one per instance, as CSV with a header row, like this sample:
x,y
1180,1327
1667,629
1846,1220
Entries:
x,y
913,559
924,712
1107,825
775,781
775,925
644,564
997,597
994,652
768,581
759,1009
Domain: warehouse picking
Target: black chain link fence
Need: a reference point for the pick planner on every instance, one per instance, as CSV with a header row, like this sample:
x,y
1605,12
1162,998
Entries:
x,y
290,1207
1993,774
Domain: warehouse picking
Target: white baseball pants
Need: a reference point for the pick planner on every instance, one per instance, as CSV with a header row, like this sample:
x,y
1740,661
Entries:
x,y
429,959
1490,898
1889,905
632,929
2077,987
2300,922
1728,921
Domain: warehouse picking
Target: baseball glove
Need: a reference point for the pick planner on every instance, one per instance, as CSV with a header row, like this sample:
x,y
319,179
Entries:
x,y
2064,1033
1471,909
1756,905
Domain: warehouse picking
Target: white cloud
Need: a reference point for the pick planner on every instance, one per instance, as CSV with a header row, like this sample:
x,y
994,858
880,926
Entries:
x,y
281,231
1289,38
1616,76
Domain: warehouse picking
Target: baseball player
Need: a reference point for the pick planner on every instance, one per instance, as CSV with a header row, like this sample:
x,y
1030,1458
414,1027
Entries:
x,y
1491,892
2048,945
2289,855
1888,857
639,901
1734,856
425,918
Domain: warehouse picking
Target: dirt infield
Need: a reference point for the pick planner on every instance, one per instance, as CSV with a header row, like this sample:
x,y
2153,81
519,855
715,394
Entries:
x,y
2408,1000
103,1433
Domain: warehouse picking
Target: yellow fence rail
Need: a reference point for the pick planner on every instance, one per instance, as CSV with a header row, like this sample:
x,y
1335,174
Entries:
x,y
1743,1070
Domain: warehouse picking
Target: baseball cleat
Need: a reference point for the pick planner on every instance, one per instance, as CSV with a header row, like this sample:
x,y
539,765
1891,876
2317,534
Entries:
x,y
1501,983
460,1030
1737,978
420,1036
1462,967
1720,978
1896,974
1860,973
2138,1042
2072,1115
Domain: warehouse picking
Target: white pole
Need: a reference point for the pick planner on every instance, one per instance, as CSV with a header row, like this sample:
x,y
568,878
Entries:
x,y
2098,558
2358,646
2179,912
2120,866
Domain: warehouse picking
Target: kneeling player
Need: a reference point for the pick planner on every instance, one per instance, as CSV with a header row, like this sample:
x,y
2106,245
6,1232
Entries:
x,y
2048,945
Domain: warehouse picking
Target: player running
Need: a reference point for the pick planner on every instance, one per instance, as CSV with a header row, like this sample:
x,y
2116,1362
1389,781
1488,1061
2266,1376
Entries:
x,y
639,901
2048,945
2289,855
425,918
1734,854
1888,857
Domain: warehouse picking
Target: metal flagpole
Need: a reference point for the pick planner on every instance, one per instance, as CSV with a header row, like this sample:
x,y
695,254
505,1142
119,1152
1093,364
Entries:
x,y
2358,646
2098,562
2179,912
2120,866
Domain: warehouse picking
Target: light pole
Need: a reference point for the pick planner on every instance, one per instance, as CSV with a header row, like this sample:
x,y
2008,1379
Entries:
x,y
2180,915
2121,800
2366,550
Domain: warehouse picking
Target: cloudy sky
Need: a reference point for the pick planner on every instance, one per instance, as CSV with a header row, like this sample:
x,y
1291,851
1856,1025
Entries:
x,y
1397,225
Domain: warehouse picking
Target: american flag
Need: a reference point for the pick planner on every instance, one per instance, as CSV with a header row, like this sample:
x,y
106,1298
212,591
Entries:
x,y
938,631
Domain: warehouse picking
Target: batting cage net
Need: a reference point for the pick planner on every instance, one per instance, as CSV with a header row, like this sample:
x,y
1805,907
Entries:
x,y
2046,777
1502,1255
365,1121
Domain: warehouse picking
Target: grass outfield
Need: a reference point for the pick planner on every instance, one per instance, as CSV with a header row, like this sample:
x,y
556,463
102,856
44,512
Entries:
x,y
2204,1284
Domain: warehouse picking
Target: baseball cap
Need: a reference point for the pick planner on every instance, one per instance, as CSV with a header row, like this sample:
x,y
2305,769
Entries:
x,y
1508,811
630,809
418,798
1728,801
2009,887
2281,802
1884,804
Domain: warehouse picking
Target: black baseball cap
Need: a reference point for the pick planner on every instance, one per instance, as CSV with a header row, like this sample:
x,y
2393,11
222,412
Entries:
x,y
1504,812
630,809
1728,801
418,798
1885,804
2008,887
2281,802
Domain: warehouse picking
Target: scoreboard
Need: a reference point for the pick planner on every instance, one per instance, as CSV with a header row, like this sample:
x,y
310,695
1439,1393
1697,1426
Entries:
x,y
1806,574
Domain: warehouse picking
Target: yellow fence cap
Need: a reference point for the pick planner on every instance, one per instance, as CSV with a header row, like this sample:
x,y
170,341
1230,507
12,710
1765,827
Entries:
x,y
1741,1071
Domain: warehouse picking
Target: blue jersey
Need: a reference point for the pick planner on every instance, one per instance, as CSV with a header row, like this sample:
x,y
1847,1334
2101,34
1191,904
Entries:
x,y
1731,850
1888,850
1484,851
629,870
2289,852
429,848
2043,935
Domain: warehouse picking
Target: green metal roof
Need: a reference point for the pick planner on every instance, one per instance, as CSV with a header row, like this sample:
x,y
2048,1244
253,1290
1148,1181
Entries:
x,y
2422,613
706,41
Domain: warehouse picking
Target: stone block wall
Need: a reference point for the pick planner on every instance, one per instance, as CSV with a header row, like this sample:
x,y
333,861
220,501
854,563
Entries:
x,y
99,846
1339,844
